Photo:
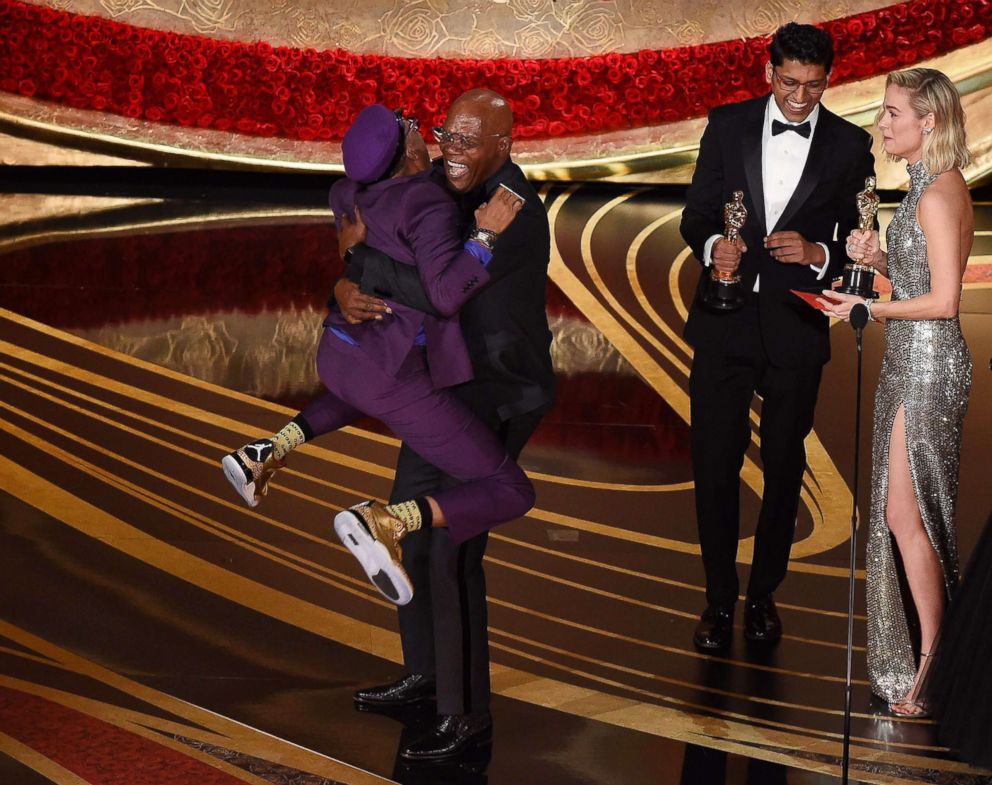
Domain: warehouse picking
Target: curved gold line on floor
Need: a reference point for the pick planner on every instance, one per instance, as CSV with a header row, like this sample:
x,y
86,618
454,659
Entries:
x,y
137,723
585,244
825,742
313,570
35,761
254,514
221,218
280,556
223,731
812,542
167,404
690,653
146,726
826,534
220,448
642,298
654,578
276,554
54,501
609,486
624,669
30,238
653,607
324,453
260,548
674,272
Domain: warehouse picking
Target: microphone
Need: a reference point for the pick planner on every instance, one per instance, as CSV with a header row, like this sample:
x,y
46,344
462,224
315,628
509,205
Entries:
x,y
859,317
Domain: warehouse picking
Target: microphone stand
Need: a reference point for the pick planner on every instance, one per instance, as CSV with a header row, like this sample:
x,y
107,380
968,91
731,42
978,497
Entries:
x,y
859,318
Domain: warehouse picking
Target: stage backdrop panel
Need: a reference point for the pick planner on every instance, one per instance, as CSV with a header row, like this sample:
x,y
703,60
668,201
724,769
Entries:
x,y
599,88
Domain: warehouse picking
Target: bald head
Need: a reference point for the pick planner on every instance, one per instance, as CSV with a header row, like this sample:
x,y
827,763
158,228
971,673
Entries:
x,y
492,108
480,122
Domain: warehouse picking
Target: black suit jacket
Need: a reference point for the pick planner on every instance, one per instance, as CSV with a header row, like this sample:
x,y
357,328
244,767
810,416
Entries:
x,y
822,206
505,325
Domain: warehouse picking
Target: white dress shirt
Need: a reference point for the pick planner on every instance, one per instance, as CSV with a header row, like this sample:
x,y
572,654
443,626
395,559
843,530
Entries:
x,y
783,158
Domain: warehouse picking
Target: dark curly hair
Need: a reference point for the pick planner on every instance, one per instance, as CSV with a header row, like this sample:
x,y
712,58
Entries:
x,y
808,44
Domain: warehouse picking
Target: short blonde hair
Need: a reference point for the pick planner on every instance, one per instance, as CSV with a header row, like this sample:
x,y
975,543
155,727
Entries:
x,y
930,91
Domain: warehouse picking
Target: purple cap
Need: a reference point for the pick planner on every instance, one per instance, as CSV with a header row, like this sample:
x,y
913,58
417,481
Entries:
x,y
370,145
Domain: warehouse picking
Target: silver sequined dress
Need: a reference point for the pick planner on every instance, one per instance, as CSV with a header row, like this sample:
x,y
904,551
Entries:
x,y
926,368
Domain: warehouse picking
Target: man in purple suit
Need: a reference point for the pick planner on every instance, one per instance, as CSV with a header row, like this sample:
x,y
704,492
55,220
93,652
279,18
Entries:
x,y
444,628
396,369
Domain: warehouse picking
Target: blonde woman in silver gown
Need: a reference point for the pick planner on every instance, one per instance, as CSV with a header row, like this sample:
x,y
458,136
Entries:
x,y
925,380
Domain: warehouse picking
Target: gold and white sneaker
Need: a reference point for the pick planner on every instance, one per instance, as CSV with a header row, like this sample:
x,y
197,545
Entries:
x,y
373,536
250,468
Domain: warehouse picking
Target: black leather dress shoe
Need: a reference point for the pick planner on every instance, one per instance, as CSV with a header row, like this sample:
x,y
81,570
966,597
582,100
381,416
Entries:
x,y
715,627
452,735
408,690
761,621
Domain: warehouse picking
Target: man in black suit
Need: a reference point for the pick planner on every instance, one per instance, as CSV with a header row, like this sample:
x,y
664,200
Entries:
x,y
444,627
800,168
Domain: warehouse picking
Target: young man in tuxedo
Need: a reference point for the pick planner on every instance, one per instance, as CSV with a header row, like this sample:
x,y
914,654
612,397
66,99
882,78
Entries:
x,y
800,168
444,627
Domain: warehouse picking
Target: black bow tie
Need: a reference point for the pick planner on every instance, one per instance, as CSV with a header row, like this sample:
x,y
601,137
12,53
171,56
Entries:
x,y
803,129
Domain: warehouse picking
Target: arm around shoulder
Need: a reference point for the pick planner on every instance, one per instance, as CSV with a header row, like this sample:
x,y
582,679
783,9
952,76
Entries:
x,y
450,275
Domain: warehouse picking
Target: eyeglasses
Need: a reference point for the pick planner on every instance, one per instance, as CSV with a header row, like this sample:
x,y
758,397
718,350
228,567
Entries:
x,y
816,87
407,124
457,141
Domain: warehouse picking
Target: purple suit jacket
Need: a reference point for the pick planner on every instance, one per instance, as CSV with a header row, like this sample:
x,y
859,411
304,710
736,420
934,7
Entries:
x,y
415,221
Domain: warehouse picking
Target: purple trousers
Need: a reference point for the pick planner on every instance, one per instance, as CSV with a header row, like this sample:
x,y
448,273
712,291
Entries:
x,y
437,426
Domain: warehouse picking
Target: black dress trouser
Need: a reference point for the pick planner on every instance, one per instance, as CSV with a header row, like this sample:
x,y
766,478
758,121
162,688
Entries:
x,y
443,629
721,388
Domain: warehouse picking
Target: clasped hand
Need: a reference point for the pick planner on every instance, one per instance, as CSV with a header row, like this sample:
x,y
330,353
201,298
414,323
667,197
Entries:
x,y
726,255
355,306
787,247
863,246
791,247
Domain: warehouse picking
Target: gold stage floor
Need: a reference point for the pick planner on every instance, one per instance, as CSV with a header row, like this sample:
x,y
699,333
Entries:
x,y
153,629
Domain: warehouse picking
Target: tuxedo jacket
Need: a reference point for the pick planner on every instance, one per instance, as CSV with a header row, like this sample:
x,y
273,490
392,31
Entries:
x,y
504,324
416,222
822,208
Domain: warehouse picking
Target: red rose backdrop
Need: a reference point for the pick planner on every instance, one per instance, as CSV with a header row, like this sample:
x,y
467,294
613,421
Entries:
x,y
90,62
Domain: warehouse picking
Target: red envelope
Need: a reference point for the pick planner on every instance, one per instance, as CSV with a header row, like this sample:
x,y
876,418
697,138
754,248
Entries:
x,y
809,298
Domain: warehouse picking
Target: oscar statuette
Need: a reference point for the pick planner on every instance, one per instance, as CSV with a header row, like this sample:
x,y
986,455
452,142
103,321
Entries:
x,y
723,291
859,278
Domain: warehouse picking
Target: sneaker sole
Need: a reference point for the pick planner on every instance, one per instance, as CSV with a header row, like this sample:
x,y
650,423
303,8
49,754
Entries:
x,y
386,575
235,476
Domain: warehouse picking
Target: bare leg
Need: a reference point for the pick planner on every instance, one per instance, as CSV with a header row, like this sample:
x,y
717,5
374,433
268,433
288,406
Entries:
x,y
923,569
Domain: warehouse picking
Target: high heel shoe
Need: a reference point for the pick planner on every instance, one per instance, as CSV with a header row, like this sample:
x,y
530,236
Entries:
x,y
914,706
